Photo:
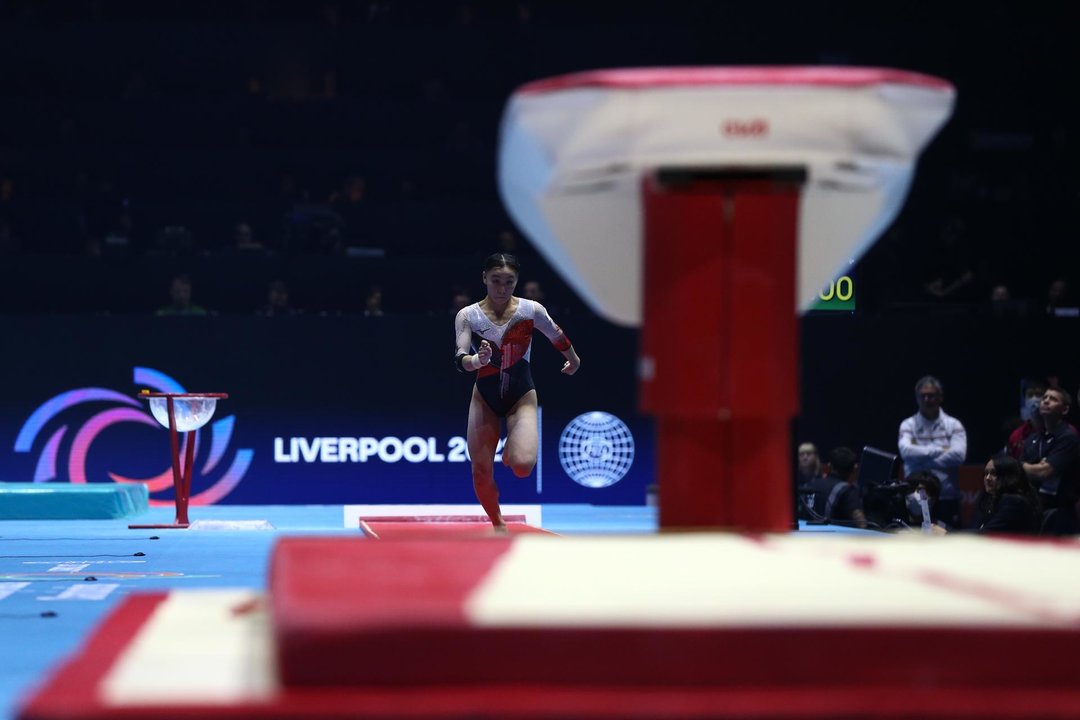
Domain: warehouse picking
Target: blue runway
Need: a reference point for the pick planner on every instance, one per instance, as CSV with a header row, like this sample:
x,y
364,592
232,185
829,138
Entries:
x,y
49,603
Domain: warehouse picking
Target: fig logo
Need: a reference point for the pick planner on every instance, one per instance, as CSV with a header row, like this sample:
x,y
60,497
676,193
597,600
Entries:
x,y
596,449
124,408
745,128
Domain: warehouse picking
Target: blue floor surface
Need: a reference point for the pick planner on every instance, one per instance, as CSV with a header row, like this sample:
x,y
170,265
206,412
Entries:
x,y
58,578
49,603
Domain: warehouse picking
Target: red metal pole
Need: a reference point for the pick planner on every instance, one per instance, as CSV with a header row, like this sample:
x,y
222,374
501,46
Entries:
x,y
174,439
183,492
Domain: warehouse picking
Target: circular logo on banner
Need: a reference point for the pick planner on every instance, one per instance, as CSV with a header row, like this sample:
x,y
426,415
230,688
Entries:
x,y
596,449
61,449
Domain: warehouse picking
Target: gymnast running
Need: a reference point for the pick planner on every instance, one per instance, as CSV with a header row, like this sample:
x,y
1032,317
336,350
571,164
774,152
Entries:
x,y
494,337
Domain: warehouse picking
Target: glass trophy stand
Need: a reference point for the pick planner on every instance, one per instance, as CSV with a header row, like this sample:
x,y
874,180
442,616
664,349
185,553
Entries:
x,y
181,413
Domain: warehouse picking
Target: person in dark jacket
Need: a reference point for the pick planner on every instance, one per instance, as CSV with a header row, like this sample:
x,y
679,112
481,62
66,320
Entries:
x,y
835,498
1008,504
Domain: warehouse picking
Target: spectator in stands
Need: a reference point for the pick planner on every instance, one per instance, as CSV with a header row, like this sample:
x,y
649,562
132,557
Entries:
x,y
373,306
809,464
1031,420
531,290
244,241
180,298
1003,305
1050,457
920,482
933,440
277,301
835,498
534,291
1008,503
1059,300
510,242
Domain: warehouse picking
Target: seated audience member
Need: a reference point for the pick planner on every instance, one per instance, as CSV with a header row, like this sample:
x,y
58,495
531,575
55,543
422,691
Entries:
x,y
277,301
531,290
1059,300
244,241
928,482
1031,421
180,296
1003,305
809,464
1050,461
835,498
1008,503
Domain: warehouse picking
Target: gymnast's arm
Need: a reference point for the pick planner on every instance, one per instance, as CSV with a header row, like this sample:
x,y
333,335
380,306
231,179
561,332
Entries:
x,y
463,359
573,362
554,333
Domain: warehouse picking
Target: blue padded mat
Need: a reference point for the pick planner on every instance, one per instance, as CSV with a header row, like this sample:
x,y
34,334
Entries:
x,y
31,501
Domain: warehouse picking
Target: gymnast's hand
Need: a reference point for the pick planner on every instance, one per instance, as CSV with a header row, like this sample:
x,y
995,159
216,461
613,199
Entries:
x,y
483,355
571,366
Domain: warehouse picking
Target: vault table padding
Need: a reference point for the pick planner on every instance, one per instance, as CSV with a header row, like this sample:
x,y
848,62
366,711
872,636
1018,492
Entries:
x,y
622,612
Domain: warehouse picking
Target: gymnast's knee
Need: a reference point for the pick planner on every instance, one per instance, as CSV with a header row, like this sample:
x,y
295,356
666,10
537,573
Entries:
x,y
521,467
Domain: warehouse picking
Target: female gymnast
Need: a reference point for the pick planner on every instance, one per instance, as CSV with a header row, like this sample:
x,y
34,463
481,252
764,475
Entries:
x,y
494,338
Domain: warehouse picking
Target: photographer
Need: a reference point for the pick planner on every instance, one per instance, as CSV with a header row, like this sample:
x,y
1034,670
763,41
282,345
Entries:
x,y
835,498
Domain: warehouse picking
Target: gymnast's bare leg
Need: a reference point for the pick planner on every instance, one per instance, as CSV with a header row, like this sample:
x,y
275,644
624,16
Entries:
x,y
522,438
483,439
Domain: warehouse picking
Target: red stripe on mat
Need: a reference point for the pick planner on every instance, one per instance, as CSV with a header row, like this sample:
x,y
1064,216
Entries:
x,y
73,690
72,693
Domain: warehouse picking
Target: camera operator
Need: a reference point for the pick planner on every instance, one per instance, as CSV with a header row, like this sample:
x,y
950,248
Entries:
x,y
835,498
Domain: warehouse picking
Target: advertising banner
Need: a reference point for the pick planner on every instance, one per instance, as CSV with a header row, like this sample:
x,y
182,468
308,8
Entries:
x,y
320,411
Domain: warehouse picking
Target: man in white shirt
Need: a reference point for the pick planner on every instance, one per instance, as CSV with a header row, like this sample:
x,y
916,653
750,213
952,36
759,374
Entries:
x,y
933,440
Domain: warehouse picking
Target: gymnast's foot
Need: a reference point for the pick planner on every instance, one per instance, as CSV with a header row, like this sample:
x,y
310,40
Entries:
x,y
500,529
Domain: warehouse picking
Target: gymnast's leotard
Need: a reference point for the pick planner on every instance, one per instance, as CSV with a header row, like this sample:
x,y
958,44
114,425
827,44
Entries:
x,y
507,378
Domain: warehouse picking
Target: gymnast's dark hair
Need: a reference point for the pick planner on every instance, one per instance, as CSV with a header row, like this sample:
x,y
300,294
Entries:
x,y
499,260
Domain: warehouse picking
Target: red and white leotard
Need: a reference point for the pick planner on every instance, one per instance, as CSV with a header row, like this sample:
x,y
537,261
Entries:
x,y
507,377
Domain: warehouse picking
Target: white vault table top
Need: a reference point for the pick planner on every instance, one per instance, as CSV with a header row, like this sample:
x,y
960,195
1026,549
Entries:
x,y
573,150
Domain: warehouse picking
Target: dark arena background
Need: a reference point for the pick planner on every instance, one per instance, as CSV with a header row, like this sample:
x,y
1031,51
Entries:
x,y
320,177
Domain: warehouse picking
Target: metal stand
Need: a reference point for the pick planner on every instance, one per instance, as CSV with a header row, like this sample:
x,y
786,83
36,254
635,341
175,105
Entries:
x,y
181,474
